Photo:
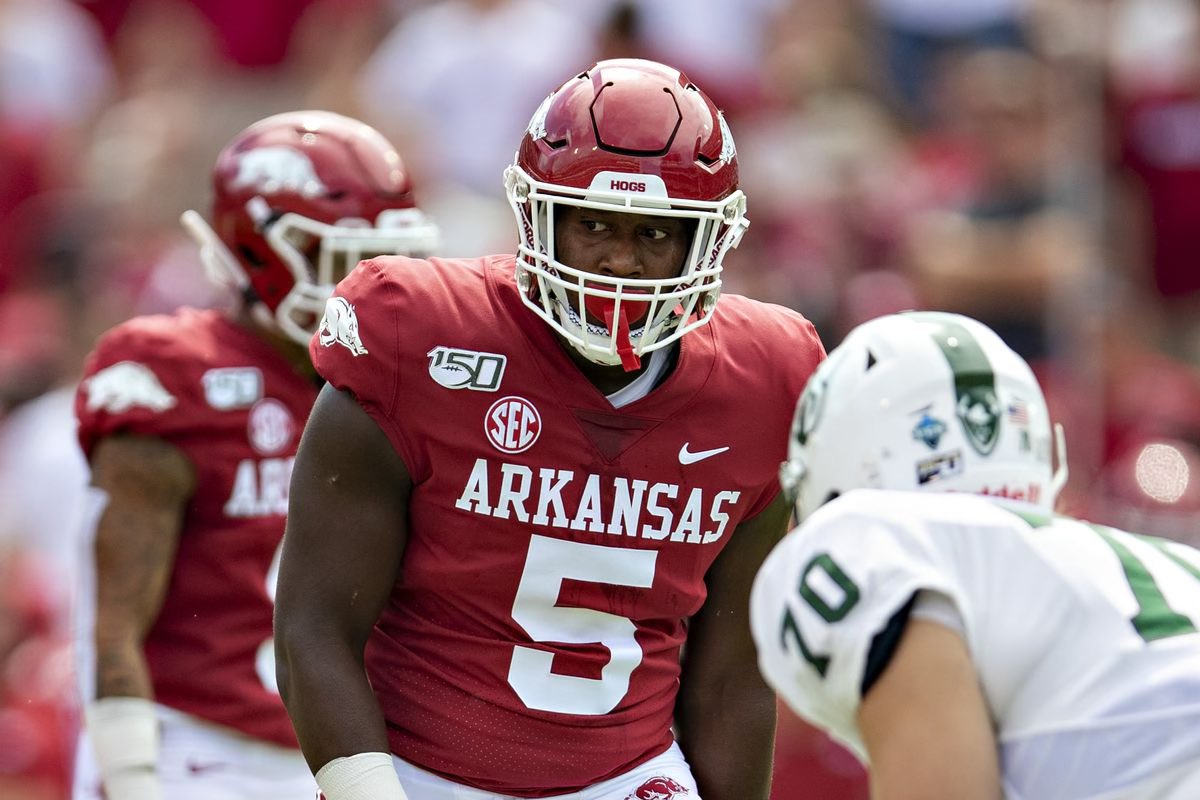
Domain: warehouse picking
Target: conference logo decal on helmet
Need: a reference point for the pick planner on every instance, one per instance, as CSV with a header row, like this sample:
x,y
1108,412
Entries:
x,y
929,430
660,788
512,424
274,169
466,369
340,326
125,385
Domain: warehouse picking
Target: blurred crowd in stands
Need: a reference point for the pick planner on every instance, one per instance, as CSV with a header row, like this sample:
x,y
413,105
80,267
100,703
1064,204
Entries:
x,y
1033,163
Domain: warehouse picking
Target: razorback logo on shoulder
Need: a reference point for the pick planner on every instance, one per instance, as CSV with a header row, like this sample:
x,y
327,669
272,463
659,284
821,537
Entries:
x,y
340,326
466,369
125,385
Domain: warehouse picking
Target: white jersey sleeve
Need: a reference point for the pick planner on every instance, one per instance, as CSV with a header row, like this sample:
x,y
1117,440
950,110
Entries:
x,y
824,594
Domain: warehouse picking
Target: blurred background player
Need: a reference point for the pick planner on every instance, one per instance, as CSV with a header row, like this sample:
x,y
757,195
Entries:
x,y
531,478
971,643
190,422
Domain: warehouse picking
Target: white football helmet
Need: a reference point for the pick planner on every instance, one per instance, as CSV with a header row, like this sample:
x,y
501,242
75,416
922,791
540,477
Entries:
x,y
927,401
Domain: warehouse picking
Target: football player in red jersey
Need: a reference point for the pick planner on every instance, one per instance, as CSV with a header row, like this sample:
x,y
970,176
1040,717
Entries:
x,y
190,422
531,479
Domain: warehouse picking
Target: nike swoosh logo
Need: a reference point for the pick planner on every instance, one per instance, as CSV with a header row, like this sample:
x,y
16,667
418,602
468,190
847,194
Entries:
x,y
688,457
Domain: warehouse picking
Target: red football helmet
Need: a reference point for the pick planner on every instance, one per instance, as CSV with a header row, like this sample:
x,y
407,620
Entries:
x,y
634,136
299,199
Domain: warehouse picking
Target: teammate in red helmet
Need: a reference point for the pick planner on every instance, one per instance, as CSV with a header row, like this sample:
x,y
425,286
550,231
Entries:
x,y
191,422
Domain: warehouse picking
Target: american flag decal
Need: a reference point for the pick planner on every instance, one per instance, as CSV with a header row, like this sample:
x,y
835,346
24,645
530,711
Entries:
x,y
1018,412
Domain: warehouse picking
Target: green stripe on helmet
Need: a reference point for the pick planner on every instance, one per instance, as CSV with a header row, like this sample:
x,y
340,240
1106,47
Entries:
x,y
977,406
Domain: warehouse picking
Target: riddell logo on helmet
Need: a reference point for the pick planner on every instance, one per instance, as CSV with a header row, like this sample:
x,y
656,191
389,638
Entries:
x,y
627,186
1031,493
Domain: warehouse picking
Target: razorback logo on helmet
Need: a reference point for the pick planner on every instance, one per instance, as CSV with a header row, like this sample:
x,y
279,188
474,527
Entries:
x,y
537,123
660,788
728,148
124,385
271,169
340,326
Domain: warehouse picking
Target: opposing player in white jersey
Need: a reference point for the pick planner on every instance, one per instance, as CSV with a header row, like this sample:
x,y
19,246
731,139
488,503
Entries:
x,y
970,643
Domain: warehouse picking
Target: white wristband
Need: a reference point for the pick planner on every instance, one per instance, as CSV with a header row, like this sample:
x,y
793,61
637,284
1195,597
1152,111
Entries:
x,y
364,776
124,735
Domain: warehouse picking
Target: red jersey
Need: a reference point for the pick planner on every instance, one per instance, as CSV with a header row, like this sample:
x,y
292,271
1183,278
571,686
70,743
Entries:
x,y
235,407
556,544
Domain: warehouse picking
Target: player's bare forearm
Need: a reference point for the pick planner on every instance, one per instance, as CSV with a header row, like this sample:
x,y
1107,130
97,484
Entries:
x,y
147,482
331,704
347,525
728,738
121,671
725,711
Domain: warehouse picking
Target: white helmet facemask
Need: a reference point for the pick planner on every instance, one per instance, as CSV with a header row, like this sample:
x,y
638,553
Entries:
x,y
613,320
923,401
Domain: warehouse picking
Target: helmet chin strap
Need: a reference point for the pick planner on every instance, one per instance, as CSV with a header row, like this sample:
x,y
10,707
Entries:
x,y
605,308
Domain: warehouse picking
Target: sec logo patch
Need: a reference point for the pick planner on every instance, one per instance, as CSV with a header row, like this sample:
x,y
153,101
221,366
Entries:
x,y
512,424
270,426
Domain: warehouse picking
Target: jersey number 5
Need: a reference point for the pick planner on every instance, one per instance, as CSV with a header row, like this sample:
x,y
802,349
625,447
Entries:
x,y
536,609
